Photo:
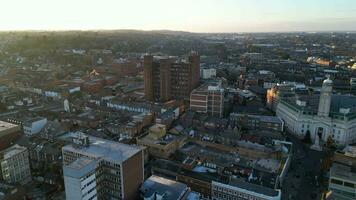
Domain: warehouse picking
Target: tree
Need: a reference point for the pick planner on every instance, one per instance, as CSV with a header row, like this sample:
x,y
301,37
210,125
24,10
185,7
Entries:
x,y
330,142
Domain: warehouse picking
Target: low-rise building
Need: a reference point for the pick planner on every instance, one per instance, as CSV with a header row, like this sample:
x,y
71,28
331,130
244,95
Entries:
x,y
208,73
34,126
159,143
239,189
8,134
254,122
208,98
219,171
156,187
11,191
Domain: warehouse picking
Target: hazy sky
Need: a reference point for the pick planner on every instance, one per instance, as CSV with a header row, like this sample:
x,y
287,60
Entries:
x,y
186,15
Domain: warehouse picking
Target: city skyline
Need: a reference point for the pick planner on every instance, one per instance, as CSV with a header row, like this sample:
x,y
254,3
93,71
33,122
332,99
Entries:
x,y
197,16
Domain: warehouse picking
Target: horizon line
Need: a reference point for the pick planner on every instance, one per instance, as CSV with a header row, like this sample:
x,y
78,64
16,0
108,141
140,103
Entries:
x,y
170,30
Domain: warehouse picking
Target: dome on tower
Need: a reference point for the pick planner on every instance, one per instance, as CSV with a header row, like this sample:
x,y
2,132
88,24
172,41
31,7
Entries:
x,y
328,81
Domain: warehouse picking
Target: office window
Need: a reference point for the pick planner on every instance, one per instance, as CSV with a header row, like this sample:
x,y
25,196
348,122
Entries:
x,y
347,184
334,181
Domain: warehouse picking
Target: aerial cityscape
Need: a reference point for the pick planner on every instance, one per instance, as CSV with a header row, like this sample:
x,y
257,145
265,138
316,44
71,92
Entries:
x,y
251,102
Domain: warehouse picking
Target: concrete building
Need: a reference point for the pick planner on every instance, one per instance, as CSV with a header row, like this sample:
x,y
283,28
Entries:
x,y
34,126
217,172
279,91
15,165
325,115
119,169
353,82
8,134
80,179
168,78
156,187
342,180
159,143
261,122
208,98
208,73
237,189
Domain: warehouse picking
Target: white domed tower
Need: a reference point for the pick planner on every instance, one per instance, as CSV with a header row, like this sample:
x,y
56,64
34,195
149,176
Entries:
x,y
66,105
325,98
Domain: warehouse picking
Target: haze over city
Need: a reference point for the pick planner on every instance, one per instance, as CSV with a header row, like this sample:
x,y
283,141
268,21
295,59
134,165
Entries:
x,y
181,15
178,99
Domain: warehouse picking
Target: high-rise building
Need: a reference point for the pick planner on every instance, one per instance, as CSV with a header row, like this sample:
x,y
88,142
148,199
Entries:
x,y
208,98
80,179
104,169
168,78
15,165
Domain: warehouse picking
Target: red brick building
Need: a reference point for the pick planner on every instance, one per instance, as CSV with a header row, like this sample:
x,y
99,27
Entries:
x,y
167,78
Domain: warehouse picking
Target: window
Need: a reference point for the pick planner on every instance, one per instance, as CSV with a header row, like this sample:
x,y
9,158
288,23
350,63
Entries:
x,y
349,194
347,184
334,181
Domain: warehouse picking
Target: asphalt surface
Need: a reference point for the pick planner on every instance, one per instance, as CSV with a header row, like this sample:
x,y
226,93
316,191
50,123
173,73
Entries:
x,y
303,180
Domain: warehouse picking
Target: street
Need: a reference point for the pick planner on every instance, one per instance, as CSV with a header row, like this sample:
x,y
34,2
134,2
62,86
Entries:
x,y
303,178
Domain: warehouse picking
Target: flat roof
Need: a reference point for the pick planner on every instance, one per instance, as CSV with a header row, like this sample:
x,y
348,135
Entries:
x,y
254,188
35,119
264,118
79,168
13,150
101,148
342,171
160,185
6,125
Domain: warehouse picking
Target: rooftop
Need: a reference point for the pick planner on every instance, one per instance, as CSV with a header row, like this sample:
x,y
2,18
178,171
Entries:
x,y
6,126
101,148
338,103
264,118
79,168
34,119
254,188
13,150
159,185
343,171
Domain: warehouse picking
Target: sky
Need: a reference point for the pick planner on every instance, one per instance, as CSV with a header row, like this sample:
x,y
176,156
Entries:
x,y
182,15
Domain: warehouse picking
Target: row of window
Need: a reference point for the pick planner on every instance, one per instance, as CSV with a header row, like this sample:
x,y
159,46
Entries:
x,y
344,183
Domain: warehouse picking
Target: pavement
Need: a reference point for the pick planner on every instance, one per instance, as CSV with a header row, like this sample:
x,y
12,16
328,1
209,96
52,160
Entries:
x,y
303,178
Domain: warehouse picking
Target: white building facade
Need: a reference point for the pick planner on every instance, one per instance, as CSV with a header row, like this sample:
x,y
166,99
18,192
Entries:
x,y
80,179
334,117
207,73
34,126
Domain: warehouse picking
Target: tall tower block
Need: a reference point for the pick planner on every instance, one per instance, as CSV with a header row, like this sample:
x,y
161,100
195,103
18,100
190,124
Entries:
x,y
148,82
